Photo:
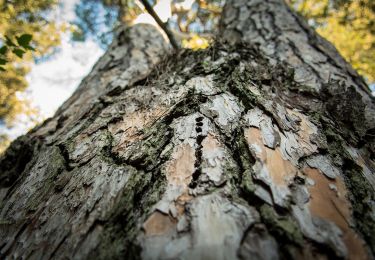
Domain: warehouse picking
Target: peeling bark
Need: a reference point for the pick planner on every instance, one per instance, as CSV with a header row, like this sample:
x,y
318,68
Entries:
x,y
234,152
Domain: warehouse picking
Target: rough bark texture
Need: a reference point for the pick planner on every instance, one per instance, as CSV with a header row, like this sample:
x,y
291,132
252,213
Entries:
x,y
260,147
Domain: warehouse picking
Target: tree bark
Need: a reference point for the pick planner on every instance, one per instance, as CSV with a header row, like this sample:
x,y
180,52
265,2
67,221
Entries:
x,y
260,147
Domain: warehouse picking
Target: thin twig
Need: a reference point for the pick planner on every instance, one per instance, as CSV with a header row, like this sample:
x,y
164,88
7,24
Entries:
x,y
164,26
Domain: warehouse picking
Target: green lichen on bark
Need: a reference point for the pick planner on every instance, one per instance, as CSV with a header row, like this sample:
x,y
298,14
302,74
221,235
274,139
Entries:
x,y
55,167
145,154
15,159
362,198
121,225
361,194
245,161
282,227
238,86
142,191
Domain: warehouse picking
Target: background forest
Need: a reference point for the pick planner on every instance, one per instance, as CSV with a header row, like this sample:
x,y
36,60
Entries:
x,y
47,46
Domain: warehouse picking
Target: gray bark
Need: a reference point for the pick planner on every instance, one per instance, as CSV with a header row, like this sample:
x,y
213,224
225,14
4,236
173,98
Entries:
x,y
260,147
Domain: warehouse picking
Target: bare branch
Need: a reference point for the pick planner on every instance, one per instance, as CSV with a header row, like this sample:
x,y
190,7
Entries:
x,y
163,25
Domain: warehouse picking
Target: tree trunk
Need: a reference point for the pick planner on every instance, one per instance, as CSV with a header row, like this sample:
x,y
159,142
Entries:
x,y
260,147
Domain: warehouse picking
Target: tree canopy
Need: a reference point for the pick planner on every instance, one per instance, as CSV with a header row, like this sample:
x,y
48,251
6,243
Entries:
x,y
27,34
23,22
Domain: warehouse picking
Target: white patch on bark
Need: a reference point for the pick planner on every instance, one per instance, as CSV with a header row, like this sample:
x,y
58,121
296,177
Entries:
x,y
216,229
324,165
213,159
225,109
202,85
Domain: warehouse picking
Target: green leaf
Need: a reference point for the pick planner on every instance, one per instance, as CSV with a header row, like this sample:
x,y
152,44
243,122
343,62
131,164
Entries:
x,y
9,42
3,61
18,52
2,69
3,50
24,40
28,47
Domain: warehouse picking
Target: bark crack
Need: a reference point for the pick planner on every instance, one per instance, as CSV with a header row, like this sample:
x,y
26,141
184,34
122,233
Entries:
x,y
198,153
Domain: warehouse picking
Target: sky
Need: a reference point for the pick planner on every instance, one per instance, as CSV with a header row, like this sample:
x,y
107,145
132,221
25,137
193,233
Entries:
x,y
51,82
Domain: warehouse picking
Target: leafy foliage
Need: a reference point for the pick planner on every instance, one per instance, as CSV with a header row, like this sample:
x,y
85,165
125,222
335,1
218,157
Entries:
x,y
26,33
19,48
195,42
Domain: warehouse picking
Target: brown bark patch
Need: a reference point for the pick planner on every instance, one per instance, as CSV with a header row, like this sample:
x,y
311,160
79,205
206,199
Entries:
x,y
279,169
181,202
181,167
159,224
213,155
131,124
328,201
306,129
254,136
210,143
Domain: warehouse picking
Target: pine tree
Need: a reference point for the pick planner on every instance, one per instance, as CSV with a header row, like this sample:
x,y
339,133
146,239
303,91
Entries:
x,y
259,147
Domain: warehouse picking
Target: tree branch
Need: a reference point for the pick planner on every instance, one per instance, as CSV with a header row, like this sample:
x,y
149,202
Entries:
x,y
163,25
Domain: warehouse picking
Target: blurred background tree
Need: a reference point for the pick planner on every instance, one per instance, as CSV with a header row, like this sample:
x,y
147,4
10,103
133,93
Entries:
x,y
349,25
